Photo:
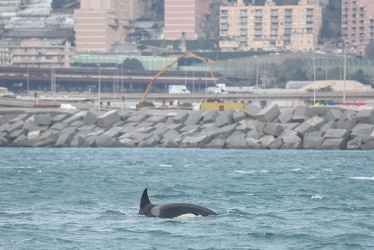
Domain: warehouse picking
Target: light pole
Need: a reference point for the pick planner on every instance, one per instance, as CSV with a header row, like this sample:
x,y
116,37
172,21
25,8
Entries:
x,y
314,69
28,80
206,85
99,87
256,81
345,69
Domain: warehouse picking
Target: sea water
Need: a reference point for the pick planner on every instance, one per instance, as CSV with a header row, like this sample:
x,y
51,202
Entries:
x,y
265,199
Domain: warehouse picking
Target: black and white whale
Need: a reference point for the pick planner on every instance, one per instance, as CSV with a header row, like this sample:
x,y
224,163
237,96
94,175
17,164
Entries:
x,y
173,210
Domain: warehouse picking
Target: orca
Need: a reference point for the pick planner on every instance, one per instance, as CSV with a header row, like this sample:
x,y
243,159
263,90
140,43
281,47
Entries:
x,y
172,210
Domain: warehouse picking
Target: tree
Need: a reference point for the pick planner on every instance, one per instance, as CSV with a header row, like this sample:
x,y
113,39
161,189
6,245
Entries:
x,y
359,76
132,63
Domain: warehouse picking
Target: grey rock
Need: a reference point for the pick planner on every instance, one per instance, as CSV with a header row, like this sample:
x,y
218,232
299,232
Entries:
x,y
157,119
276,144
365,116
170,143
334,144
239,116
346,124
254,134
75,117
354,144
79,142
194,117
136,118
59,118
16,134
104,141
290,139
368,146
311,142
348,115
91,117
225,131
272,129
145,124
253,143
43,120
217,143
266,140
337,133
15,126
64,140
59,126
77,124
285,116
20,117
328,125
303,113
108,119
304,128
237,140
252,110
225,118
150,142
180,117
268,114
333,114
210,116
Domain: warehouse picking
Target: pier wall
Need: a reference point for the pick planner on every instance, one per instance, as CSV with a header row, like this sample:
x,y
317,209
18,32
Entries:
x,y
321,128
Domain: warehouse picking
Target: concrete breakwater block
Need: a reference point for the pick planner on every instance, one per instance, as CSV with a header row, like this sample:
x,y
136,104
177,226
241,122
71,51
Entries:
x,y
75,117
42,120
252,110
107,119
91,116
366,116
225,118
268,114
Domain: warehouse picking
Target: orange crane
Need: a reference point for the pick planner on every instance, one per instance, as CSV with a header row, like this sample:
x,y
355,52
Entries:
x,y
141,103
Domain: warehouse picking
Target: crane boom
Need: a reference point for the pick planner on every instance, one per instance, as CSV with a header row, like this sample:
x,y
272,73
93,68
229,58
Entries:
x,y
169,66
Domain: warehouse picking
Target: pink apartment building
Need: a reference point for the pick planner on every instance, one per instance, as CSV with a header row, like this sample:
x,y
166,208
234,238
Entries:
x,y
358,23
185,19
99,24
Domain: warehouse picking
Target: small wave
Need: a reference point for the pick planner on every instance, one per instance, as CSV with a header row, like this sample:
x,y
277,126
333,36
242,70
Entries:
x,y
244,172
362,178
166,166
296,170
315,197
264,171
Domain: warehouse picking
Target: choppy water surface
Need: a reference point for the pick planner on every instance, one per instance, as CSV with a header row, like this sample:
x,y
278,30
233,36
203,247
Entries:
x,y
89,198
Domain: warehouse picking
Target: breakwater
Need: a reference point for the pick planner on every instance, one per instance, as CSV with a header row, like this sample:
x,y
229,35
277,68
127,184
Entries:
x,y
303,127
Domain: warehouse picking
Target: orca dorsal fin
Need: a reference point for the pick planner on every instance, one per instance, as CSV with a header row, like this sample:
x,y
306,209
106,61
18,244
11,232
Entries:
x,y
144,200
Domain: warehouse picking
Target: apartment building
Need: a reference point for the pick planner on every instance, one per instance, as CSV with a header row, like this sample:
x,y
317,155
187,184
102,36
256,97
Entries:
x,y
99,24
270,27
37,53
185,19
358,24
5,56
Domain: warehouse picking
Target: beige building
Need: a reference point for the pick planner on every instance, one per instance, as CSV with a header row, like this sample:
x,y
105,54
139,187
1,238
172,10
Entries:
x,y
270,27
358,23
39,53
100,24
